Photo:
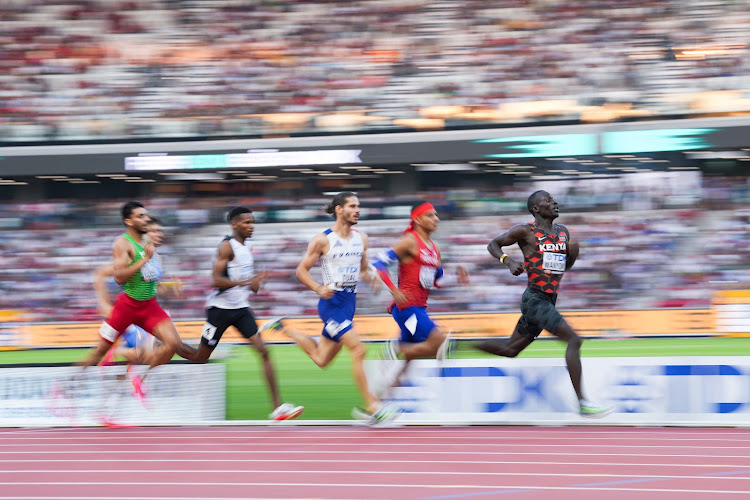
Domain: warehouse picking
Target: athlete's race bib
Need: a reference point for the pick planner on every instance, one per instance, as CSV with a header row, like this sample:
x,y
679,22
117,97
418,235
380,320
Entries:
x,y
349,276
554,262
151,270
427,276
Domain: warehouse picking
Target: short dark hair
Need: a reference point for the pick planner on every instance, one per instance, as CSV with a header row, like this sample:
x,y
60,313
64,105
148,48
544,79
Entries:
x,y
338,201
127,209
236,211
534,199
154,220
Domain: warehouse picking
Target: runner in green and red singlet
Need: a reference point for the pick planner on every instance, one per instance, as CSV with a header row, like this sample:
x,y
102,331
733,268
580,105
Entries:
x,y
137,305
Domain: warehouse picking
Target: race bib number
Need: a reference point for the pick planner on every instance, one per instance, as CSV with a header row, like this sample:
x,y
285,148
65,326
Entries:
x,y
554,262
209,331
427,277
349,276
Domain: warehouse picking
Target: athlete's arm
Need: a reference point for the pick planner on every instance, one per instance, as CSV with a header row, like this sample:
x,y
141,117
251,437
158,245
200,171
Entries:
x,y
442,279
366,273
514,235
573,249
122,256
317,247
403,251
102,298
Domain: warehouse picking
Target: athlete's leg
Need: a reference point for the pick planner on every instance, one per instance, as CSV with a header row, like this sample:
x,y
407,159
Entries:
x,y
97,353
425,349
190,353
321,353
166,332
268,369
572,355
510,348
358,351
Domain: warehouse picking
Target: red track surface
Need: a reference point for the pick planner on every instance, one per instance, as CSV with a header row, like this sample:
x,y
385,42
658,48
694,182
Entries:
x,y
433,463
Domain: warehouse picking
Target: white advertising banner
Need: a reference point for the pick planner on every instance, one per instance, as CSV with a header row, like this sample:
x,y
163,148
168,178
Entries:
x,y
657,391
69,395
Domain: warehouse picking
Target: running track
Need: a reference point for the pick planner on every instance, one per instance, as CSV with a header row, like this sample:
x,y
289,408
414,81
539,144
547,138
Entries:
x,y
426,463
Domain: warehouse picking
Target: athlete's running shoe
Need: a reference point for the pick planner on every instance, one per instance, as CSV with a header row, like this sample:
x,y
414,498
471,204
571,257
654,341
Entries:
x,y
389,351
286,411
386,413
274,324
445,351
591,410
137,382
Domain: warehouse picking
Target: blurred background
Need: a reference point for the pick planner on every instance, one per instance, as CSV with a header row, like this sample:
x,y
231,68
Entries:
x,y
634,114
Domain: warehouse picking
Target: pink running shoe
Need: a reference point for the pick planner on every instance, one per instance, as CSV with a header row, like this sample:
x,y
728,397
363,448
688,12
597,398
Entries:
x,y
137,382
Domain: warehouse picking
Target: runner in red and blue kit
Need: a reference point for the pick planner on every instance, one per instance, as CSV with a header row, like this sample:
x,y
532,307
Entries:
x,y
548,252
419,270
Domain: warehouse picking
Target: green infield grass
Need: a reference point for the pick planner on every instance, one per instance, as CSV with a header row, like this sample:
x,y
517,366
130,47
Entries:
x,y
330,393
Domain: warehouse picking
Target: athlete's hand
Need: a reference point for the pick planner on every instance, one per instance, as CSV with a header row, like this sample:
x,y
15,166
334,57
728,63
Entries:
x,y
105,309
376,286
463,275
400,297
257,280
148,250
515,267
324,292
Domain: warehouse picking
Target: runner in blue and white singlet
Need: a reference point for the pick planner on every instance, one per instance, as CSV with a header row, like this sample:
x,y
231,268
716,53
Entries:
x,y
342,253
340,267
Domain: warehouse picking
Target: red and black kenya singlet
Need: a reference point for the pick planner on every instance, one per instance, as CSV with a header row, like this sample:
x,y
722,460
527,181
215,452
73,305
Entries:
x,y
546,265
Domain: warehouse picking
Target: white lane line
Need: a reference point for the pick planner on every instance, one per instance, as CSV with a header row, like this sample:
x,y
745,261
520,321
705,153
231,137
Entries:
x,y
324,460
381,444
129,437
349,453
511,432
368,472
383,486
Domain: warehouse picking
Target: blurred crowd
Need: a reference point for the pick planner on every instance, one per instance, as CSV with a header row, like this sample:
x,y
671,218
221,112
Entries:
x,y
82,69
637,252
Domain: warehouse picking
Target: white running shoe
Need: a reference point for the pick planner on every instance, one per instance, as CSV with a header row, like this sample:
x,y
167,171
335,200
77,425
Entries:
x,y
445,350
387,413
273,324
286,411
591,410
389,352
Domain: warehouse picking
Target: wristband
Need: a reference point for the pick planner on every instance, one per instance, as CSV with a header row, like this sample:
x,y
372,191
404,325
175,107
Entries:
x,y
503,257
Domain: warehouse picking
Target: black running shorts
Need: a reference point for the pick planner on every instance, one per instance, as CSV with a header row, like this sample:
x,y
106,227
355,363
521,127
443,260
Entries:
x,y
218,320
538,313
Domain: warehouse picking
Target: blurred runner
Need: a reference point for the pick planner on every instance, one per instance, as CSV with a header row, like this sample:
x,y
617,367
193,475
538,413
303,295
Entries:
x,y
342,252
136,269
233,276
420,269
135,344
548,252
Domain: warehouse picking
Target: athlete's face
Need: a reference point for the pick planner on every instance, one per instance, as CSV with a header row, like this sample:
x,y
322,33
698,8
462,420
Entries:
x,y
548,208
428,221
244,225
349,211
138,220
155,234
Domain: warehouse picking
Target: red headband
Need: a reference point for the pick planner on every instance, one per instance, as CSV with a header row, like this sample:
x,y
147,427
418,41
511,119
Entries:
x,y
418,212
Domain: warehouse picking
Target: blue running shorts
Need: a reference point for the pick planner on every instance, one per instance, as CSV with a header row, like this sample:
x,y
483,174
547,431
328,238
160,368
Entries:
x,y
414,322
134,335
337,314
